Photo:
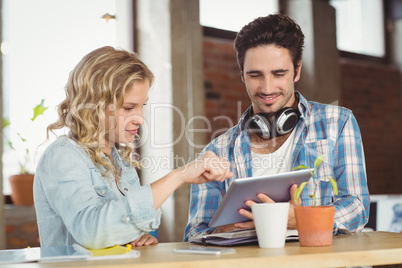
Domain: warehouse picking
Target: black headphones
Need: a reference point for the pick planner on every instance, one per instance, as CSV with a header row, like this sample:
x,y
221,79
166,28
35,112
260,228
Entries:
x,y
285,121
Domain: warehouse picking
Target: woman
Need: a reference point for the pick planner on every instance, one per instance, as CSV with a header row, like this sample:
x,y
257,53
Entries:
x,y
86,188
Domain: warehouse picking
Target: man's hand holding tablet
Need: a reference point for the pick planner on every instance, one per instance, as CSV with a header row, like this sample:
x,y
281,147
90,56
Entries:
x,y
245,192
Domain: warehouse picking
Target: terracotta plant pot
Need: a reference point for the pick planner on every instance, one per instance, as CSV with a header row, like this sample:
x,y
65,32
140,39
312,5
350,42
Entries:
x,y
22,189
315,225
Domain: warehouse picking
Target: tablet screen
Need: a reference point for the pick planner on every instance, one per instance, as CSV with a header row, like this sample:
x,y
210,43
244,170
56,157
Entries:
x,y
276,186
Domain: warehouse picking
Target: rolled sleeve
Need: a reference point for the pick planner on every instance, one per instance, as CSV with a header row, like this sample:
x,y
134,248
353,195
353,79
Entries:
x,y
142,213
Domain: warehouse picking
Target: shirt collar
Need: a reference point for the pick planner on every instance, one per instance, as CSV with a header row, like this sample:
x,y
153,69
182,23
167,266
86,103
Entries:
x,y
302,105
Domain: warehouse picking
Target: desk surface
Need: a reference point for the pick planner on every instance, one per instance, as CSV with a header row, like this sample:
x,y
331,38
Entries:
x,y
368,248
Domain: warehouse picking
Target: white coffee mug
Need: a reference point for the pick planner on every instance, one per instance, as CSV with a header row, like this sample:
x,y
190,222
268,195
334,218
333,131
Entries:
x,y
271,220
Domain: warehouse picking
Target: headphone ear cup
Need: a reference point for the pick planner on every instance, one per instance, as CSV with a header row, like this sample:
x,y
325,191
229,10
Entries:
x,y
260,124
286,119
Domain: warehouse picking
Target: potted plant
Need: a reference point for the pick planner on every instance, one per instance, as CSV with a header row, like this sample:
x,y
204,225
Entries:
x,y
314,223
22,183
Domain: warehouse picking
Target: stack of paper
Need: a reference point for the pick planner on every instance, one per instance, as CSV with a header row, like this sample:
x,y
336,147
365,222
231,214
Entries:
x,y
62,254
236,237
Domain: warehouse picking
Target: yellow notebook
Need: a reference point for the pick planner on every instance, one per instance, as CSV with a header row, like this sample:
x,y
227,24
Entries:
x,y
115,250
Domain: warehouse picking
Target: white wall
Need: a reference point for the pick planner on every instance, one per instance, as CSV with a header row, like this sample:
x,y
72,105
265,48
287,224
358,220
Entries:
x,y
42,41
157,133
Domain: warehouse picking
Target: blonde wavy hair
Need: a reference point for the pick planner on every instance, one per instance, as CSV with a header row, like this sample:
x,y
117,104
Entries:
x,y
99,79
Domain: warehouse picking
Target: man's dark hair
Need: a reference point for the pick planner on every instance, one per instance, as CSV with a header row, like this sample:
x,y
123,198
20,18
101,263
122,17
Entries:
x,y
274,29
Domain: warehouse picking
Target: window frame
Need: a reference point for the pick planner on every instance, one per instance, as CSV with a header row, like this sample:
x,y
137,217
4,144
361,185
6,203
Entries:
x,y
387,9
364,57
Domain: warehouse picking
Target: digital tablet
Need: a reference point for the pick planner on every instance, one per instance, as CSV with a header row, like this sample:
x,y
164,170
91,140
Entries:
x,y
276,186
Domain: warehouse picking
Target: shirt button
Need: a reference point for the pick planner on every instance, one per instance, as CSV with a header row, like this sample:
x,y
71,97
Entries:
x,y
103,191
127,219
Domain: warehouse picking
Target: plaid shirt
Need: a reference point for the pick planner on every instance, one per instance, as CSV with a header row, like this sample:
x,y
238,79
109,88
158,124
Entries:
x,y
322,129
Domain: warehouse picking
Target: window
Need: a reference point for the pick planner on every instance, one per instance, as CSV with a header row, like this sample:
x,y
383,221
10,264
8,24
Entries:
x,y
360,26
42,41
232,15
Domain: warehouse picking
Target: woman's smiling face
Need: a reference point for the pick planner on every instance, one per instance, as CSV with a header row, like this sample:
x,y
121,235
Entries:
x,y
123,126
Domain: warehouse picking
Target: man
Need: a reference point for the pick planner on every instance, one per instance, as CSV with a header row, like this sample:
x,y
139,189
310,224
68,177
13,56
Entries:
x,y
269,54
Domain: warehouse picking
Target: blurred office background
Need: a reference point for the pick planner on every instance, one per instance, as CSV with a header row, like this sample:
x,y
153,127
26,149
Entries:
x,y
353,58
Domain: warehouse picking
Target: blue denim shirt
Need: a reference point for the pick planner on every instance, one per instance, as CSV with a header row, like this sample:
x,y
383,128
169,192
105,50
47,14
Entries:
x,y
75,204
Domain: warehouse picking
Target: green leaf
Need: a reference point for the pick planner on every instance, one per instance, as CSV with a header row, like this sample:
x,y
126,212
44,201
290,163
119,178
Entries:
x,y
39,109
23,170
318,160
334,185
23,139
298,191
303,167
10,144
6,122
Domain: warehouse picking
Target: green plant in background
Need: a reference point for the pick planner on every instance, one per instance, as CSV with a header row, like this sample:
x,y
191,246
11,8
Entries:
x,y
37,110
317,162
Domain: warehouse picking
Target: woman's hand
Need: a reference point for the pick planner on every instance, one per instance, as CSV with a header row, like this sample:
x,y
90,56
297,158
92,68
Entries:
x,y
207,167
144,240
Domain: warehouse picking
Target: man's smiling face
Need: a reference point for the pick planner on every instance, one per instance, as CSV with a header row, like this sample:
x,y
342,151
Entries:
x,y
269,78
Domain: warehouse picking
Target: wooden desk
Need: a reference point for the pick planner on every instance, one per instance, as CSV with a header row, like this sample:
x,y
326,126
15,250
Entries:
x,y
369,248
